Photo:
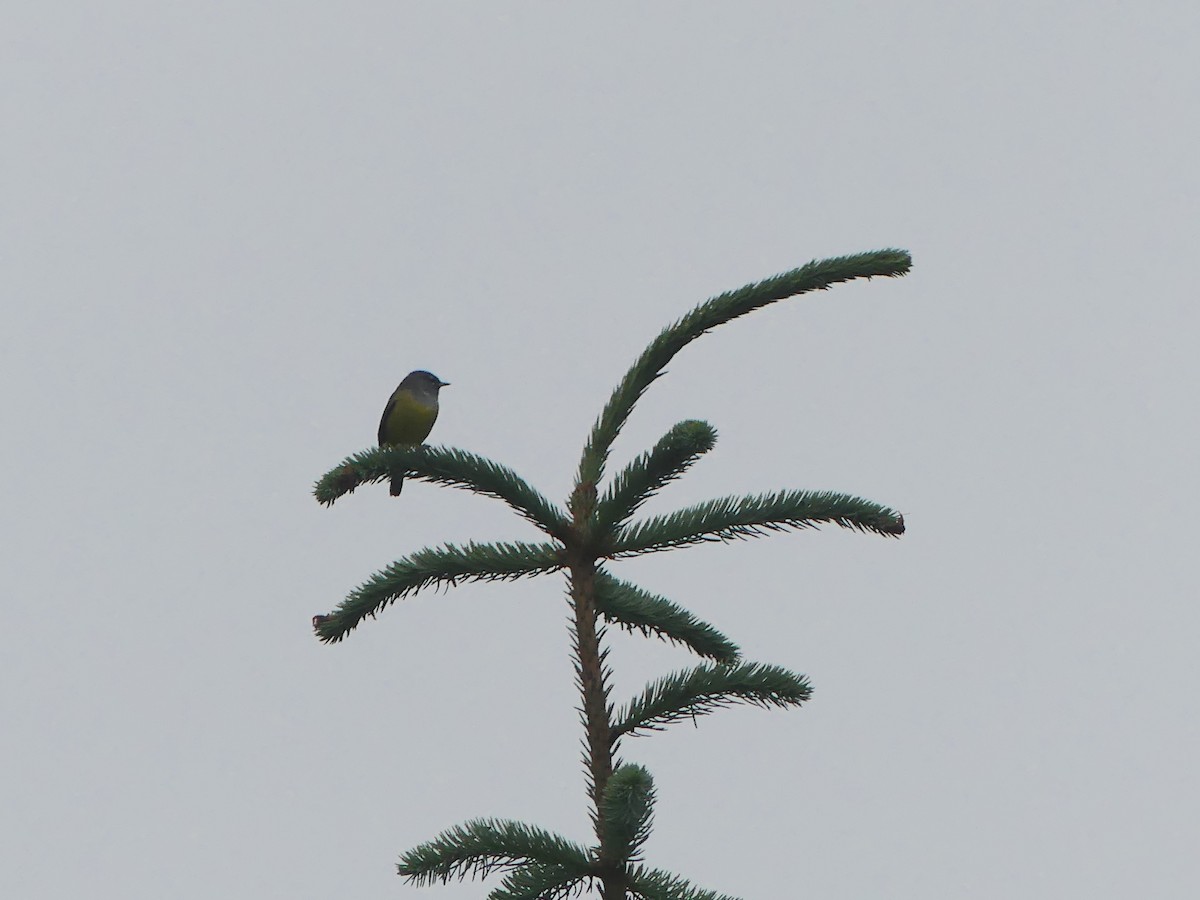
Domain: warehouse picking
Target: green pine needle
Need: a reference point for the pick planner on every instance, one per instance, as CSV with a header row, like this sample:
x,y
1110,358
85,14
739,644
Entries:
x,y
436,567
654,884
743,517
628,812
816,275
538,882
443,465
633,608
673,455
704,689
481,846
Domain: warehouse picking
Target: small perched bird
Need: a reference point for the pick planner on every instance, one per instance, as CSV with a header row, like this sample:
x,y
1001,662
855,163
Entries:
x,y
410,414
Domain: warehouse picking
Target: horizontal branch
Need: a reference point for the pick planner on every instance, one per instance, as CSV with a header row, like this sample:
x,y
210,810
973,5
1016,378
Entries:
x,y
743,517
432,568
448,466
481,846
707,688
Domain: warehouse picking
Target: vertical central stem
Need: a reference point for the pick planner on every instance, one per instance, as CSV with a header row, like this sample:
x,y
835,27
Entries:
x,y
595,709
581,564
591,680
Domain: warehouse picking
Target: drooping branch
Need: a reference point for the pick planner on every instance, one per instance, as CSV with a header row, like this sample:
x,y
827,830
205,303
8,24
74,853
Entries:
x,y
448,466
432,568
481,846
635,609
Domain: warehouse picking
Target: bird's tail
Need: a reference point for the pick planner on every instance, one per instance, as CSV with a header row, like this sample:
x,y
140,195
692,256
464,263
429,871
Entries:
x,y
397,484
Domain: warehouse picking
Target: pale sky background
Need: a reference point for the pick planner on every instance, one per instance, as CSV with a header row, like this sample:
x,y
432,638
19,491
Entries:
x,y
230,228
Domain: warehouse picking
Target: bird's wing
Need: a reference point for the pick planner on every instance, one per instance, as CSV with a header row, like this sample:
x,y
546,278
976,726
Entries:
x,y
387,411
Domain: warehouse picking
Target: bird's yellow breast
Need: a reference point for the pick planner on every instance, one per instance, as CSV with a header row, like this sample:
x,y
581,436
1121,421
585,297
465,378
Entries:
x,y
408,421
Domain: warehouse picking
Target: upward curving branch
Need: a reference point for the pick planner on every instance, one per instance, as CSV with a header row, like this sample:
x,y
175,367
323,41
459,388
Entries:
x,y
814,276
628,812
667,460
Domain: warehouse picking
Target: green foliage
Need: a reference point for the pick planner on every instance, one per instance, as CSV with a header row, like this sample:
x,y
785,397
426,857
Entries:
x,y
442,566
693,692
653,884
816,275
634,609
744,517
641,479
536,864
626,811
443,465
536,881
481,846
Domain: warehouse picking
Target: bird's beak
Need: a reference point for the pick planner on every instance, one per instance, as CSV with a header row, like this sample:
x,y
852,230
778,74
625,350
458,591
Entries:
x,y
443,384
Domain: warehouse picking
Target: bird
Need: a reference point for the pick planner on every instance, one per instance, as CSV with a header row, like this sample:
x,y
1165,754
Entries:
x,y
409,415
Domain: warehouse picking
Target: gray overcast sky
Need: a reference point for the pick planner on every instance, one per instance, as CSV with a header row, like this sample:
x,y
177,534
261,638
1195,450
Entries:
x,y
230,228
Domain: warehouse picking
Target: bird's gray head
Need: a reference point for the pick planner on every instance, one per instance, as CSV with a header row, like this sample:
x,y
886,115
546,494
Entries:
x,y
424,384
